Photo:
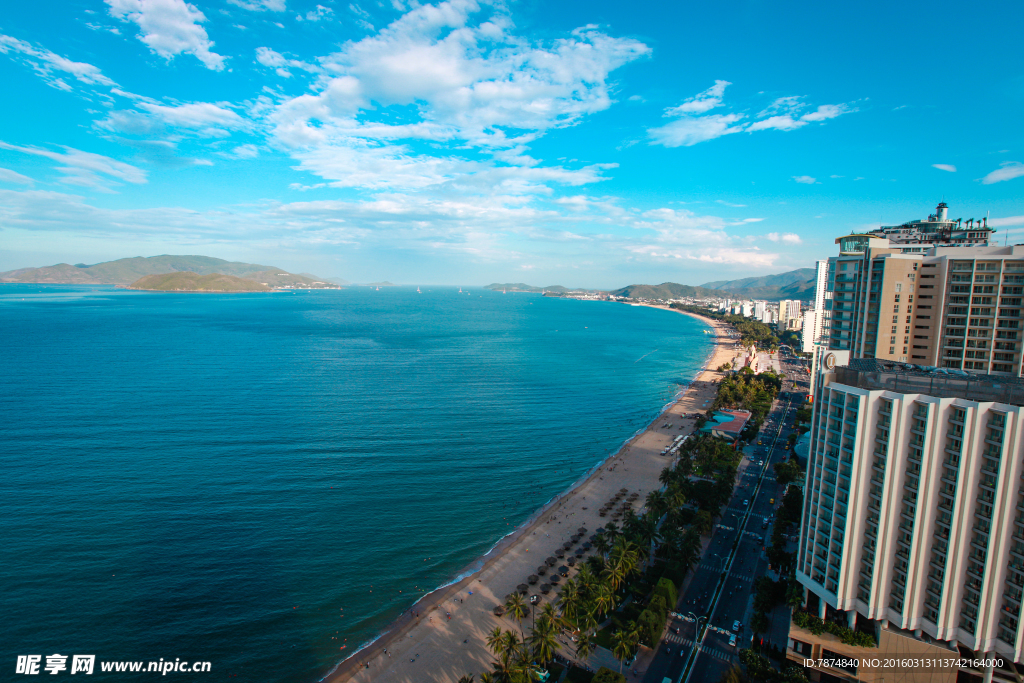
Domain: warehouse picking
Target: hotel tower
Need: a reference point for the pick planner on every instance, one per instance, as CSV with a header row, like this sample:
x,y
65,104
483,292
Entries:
x,y
913,520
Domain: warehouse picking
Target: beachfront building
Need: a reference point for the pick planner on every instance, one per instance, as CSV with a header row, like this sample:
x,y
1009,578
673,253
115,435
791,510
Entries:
x,y
727,424
789,309
950,307
913,520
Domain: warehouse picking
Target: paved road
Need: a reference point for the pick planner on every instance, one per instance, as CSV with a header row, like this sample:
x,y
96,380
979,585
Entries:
x,y
720,591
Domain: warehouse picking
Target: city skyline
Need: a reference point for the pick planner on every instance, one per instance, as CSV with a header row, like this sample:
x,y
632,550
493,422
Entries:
x,y
586,145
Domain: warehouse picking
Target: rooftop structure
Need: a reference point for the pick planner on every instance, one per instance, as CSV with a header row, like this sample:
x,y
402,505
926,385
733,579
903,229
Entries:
x,y
915,236
727,424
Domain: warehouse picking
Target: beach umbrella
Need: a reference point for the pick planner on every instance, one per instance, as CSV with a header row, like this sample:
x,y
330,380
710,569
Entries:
x,y
602,513
542,570
579,553
582,530
550,561
624,490
571,561
559,553
523,589
532,579
567,545
498,610
593,537
545,588
563,570
586,545
599,530
554,579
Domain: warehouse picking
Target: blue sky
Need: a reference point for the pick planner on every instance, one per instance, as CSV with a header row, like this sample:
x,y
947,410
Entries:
x,y
578,143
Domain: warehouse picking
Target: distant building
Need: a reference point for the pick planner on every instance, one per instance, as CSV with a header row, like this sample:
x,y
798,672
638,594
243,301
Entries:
x,y
808,329
789,308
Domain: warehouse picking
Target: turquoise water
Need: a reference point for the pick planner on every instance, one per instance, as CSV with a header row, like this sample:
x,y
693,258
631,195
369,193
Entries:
x,y
257,480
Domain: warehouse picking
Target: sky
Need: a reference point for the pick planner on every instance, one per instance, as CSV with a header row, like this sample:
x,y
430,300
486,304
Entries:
x,y
588,144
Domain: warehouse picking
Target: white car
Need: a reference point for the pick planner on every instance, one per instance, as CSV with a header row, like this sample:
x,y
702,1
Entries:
x,y
732,640
736,625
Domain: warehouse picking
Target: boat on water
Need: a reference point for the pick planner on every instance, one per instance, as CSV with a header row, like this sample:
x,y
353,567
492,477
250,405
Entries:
x,y
418,291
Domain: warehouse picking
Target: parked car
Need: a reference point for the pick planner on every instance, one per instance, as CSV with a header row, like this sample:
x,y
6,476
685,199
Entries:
x,y
736,625
732,640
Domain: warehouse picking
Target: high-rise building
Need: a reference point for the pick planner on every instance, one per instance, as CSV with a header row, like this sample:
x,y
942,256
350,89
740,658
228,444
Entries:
x,y
913,521
947,306
808,331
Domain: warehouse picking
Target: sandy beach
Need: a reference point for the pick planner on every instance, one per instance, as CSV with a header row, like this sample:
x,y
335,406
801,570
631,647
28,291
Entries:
x,y
443,636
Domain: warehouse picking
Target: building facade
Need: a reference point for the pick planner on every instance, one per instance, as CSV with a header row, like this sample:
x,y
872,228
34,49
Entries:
x,y
948,307
913,514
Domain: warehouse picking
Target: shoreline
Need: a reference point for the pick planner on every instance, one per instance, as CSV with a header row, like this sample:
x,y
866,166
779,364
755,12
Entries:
x,y
486,580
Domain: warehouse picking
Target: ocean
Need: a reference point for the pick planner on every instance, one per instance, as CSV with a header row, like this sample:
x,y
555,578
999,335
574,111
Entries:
x,y
264,481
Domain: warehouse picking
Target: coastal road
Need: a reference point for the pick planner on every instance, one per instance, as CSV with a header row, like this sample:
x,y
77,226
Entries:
x,y
721,588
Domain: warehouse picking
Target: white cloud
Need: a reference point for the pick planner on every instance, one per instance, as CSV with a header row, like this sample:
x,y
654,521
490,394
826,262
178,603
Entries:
x,y
1006,221
837,176
691,130
281,64
197,115
945,167
46,64
85,168
9,176
701,102
1008,171
318,13
783,105
260,5
725,203
785,237
465,84
245,152
169,28
805,179
693,125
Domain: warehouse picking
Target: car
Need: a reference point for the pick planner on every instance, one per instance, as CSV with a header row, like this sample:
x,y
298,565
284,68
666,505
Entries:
x,y
765,525
675,630
746,503
771,501
732,640
668,649
736,625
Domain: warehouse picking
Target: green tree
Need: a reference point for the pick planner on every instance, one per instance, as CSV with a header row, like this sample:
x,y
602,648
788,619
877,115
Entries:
x,y
543,641
515,605
584,646
624,642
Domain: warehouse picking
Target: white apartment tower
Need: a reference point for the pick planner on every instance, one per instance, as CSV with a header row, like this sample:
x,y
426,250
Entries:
x,y
914,507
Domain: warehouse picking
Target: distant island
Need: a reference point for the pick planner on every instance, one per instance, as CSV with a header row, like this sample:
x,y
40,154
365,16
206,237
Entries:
x,y
194,282
380,284
520,287
128,270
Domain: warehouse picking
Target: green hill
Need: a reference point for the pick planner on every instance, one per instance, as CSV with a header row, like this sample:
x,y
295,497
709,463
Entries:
x,y
795,284
194,282
666,290
128,270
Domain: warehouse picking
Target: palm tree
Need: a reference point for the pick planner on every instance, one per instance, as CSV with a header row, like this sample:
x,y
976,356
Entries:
x,y
657,503
622,645
496,642
584,646
611,530
604,599
549,615
543,642
602,544
613,575
515,605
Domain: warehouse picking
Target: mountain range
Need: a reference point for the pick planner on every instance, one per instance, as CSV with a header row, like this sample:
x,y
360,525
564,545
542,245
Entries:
x,y
127,270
